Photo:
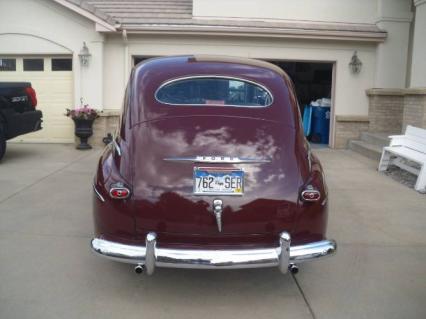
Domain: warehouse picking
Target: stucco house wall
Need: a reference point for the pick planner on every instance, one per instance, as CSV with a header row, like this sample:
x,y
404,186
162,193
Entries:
x,y
53,29
418,61
349,93
360,11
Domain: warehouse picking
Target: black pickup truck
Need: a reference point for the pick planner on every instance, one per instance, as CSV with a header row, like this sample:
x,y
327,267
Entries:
x,y
18,114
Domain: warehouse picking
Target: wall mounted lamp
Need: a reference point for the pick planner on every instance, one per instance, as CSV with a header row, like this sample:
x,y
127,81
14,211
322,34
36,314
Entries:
x,y
355,65
84,55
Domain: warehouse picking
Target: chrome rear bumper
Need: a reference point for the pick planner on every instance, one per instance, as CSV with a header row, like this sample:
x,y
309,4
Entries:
x,y
152,256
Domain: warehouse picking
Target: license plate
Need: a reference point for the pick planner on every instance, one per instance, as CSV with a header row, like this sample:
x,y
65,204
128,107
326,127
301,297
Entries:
x,y
218,181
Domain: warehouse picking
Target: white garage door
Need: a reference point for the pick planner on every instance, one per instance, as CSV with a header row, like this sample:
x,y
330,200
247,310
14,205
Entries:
x,y
52,79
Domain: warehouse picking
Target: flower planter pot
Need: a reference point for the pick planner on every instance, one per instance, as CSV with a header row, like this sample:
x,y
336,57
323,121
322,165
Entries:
x,y
83,130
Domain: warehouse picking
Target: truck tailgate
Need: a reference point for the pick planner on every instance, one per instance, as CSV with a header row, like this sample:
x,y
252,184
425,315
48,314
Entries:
x,y
23,123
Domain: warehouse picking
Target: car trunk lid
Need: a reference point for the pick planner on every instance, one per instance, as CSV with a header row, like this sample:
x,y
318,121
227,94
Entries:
x,y
167,151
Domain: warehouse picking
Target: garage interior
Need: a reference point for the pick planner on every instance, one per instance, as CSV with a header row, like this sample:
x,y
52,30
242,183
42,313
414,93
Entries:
x,y
312,81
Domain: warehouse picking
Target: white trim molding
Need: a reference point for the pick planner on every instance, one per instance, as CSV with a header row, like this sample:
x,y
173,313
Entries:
x,y
366,36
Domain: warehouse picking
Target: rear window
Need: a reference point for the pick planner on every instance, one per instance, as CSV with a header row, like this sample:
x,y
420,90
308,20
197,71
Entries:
x,y
217,91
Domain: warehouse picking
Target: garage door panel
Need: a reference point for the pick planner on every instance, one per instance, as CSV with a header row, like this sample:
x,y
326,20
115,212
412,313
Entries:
x,y
54,94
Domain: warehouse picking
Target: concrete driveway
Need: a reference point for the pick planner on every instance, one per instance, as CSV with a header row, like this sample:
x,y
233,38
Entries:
x,y
48,271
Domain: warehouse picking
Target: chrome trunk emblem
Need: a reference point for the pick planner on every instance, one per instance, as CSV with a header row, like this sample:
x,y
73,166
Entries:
x,y
217,210
218,159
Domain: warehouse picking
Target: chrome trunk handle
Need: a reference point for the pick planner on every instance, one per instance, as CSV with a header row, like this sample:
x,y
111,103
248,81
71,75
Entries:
x,y
218,159
217,210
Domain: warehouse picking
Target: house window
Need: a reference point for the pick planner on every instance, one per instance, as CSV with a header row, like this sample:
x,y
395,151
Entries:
x,y
33,64
62,64
7,64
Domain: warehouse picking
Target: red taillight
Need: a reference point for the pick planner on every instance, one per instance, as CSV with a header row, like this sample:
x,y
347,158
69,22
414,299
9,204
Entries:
x,y
119,192
310,194
32,96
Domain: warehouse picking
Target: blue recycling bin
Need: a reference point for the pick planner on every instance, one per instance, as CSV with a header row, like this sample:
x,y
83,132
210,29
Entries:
x,y
320,127
307,120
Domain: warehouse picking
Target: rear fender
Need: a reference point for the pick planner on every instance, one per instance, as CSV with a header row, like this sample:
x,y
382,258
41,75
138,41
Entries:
x,y
113,218
311,220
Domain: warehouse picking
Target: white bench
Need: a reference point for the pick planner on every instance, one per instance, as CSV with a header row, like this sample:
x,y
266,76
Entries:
x,y
412,147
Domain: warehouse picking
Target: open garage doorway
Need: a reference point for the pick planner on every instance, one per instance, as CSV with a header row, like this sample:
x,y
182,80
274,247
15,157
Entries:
x,y
313,82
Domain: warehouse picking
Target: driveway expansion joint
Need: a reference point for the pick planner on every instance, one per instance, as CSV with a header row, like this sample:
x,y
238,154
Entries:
x,y
311,311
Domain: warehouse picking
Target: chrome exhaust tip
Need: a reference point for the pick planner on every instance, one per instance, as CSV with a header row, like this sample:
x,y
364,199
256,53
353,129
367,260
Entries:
x,y
139,269
293,269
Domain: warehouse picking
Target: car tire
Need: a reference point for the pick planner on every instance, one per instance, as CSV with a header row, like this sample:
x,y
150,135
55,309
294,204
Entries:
x,y
2,145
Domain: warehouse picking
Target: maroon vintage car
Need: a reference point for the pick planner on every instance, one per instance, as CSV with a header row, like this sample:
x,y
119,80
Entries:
x,y
210,169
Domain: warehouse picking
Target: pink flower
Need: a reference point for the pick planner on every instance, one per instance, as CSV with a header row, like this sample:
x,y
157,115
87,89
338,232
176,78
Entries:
x,y
84,112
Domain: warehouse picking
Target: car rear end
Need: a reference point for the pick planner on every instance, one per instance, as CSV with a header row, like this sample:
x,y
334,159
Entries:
x,y
18,113
210,178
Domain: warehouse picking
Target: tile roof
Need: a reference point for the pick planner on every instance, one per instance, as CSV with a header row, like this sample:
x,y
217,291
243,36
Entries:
x,y
176,16
130,13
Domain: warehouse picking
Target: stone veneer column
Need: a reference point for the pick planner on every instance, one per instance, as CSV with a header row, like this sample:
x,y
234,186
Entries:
x,y
349,127
414,108
385,111
391,110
